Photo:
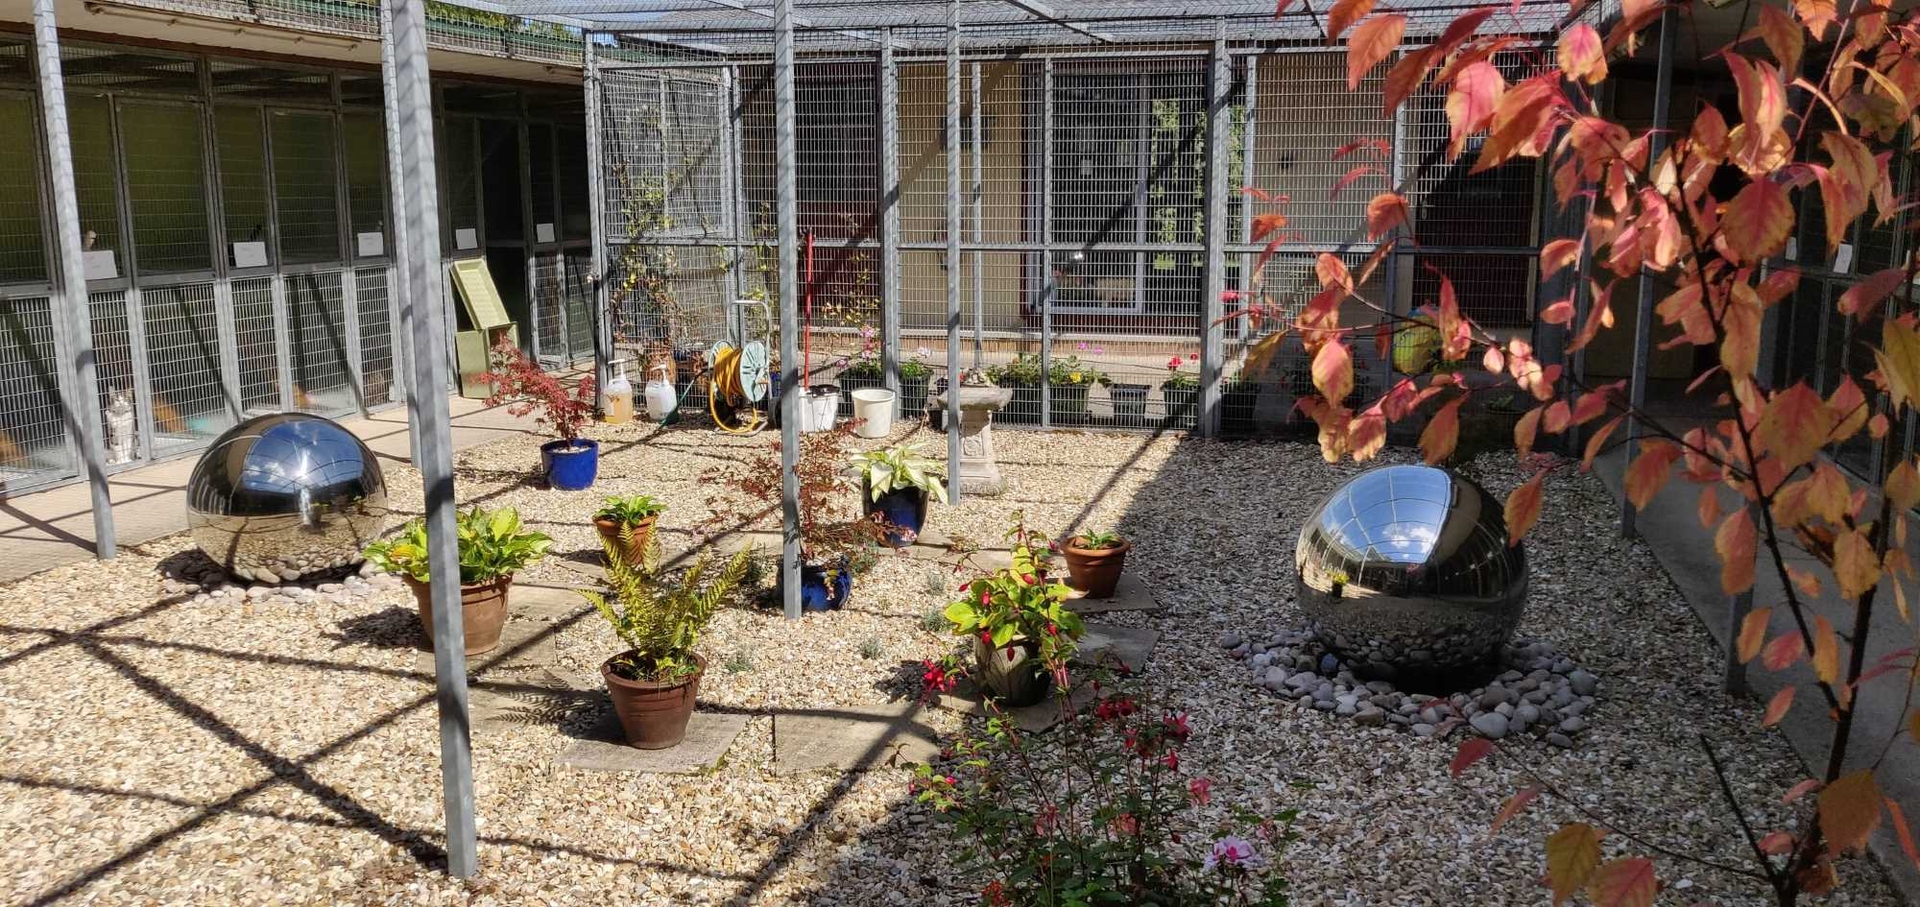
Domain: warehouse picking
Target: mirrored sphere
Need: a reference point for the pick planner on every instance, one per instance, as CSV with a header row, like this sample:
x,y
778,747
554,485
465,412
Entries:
x,y
1405,571
284,495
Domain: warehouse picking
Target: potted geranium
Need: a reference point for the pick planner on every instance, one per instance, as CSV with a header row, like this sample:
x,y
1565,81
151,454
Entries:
x,y
1069,380
1178,392
833,542
867,370
1020,626
1094,562
572,462
895,485
655,682
626,522
494,545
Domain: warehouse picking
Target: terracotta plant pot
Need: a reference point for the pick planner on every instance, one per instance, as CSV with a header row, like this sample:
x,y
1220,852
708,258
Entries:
x,y
653,716
637,547
1095,571
1012,673
483,611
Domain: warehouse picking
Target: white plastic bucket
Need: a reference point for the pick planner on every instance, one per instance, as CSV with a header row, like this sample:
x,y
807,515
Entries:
x,y
874,406
819,407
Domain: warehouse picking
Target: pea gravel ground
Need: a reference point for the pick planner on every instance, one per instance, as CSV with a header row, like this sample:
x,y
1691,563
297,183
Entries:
x,y
163,744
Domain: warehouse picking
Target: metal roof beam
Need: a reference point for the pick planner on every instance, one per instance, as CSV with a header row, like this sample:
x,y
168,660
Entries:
x,y
1038,8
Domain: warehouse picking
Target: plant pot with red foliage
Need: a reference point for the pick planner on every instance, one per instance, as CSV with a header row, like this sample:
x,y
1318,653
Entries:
x,y
483,611
653,713
1094,562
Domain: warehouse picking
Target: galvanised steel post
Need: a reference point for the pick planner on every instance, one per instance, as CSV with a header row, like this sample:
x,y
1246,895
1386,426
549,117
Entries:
x,y
1211,334
976,204
1643,317
889,214
953,251
1047,262
420,266
72,305
788,217
596,192
399,297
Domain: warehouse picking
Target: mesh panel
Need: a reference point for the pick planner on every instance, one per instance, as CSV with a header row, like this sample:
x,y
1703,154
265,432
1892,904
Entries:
x,y
22,256
579,305
126,69
304,180
376,335
365,140
576,217
32,433
183,367
548,297
90,128
317,343
113,375
243,177
254,336
166,182
260,82
540,180
463,178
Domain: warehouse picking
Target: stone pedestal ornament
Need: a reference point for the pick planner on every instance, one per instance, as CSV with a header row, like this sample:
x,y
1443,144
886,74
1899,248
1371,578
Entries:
x,y
979,474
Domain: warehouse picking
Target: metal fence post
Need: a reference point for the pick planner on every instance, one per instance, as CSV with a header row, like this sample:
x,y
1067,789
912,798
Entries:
x,y
976,205
399,293
1215,286
1643,317
953,250
1047,264
788,216
73,303
596,187
420,262
889,214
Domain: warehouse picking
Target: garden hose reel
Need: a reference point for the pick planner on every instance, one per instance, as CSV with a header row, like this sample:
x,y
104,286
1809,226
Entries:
x,y
740,375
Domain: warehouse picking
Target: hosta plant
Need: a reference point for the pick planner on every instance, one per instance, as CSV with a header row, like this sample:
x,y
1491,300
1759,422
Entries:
x,y
492,543
1823,98
900,467
660,616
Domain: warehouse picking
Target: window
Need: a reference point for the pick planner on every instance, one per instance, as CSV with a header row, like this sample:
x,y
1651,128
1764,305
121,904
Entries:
x,y
243,184
365,138
1129,167
166,182
90,126
304,184
22,258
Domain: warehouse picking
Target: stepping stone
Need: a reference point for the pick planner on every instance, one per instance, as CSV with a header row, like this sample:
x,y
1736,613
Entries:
x,y
546,602
1106,644
1033,719
709,736
595,574
548,697
1130,594
852,737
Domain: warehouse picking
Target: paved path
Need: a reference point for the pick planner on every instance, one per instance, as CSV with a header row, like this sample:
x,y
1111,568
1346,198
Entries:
x,y
1671,528
43,530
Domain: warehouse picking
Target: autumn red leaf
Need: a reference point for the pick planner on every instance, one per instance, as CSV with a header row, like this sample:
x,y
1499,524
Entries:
x,y
1777,707
1776,843
1626,882
1817,14
1471,751
1846,187
1559,312
1367,434
1794,426
1385,212
1558,255
1899,361
1850,810
1581,56
1523,508
1521,121
1783,36
1333,272
1598,440
1267,223
1442,433
1826,650
1763,100
1573,853
1333,371
1524,430
1863,298
1406,76
1903,485
1513,807
1343,14
1783,651
1857,570
1372,42
1757,222
1740,333
1734,542
1471,101
1375,145
1904,833
1753,633
1648,472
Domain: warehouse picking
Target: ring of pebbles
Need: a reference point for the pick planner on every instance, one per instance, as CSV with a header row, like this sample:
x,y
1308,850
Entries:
x,y
1538,691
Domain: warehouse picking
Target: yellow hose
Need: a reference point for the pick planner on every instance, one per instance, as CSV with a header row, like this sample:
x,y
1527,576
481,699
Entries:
x,y
724,381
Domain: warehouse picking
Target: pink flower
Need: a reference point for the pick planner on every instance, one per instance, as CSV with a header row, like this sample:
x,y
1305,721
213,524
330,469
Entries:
x,y
1232,851
1177,727
1081,346
1172,760
1230,296
1125,824
1099,351
1201,789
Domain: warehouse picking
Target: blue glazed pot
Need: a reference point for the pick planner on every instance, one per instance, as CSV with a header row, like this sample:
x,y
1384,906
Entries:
x,y
903,511
570,467
817,594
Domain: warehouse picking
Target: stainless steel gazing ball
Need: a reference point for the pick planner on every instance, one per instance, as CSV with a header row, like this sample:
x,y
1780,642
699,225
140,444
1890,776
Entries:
x,y
284,495
1405,571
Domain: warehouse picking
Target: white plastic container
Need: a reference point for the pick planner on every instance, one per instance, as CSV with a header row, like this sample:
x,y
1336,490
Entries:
x,y
661,399
619,395
873,406
819,407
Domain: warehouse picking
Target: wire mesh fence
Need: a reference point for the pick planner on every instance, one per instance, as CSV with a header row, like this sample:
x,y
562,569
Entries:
x,y
33,445
186,388
375,324
320,358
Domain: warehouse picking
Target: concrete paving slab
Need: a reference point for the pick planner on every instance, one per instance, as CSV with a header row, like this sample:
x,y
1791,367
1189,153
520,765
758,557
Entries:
x,y
1109,645
709,736
1131,594
1033,719
852,737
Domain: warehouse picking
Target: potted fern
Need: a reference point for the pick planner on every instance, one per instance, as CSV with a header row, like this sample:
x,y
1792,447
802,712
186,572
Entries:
x,y
626,523
895,484
494,545
655,682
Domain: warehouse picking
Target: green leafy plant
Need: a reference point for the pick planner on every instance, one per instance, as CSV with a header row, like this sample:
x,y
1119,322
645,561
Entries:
x,y
1025,371
660,616
629,510
492,543
1019,603
866,365
899,467
1096,541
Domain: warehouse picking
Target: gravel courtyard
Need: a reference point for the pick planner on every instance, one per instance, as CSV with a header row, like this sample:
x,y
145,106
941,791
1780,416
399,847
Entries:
x,y
165,742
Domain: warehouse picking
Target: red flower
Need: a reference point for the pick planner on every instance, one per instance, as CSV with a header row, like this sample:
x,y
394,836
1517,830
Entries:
x,y
996,894
935,678
1201,789
1125,824
1177,727
1172,760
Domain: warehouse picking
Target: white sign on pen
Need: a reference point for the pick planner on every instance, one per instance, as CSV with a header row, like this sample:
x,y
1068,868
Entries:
x,y
101,265
371,245
466,238
543,233
250,255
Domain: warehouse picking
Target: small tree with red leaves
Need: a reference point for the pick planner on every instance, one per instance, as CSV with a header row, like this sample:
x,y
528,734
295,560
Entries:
x,y
524,387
